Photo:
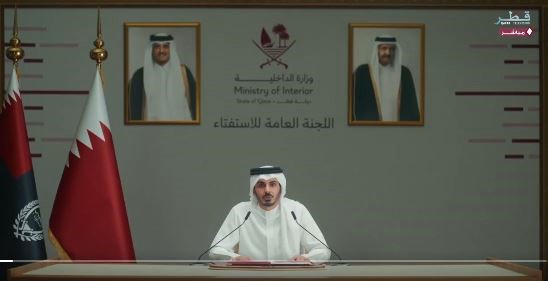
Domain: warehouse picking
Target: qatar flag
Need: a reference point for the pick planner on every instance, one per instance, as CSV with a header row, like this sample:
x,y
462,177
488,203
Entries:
x,y
89,220
21,235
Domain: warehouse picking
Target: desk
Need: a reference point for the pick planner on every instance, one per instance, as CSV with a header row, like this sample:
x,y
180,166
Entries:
x,y
488,271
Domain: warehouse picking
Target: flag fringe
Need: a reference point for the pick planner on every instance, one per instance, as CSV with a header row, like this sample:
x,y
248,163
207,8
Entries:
x,y
60,250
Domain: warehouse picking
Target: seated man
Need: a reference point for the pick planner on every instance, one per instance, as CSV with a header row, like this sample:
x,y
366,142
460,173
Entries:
x,y
271,232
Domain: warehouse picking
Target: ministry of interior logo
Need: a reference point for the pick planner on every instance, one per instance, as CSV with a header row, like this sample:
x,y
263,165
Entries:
x,y
274,50
27,225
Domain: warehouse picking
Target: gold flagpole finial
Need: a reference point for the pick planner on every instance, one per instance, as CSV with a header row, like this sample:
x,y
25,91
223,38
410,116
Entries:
x,y
98,54
14,52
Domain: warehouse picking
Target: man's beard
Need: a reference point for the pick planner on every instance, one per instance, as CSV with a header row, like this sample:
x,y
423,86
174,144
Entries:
x,y
385,60
268,203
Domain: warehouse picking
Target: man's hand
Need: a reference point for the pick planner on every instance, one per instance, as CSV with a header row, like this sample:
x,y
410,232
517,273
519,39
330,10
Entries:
x,y
241,258
299,258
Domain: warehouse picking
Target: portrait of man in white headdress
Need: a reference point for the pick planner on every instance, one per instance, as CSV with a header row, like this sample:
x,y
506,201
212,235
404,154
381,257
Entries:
x,y
384,88
164,88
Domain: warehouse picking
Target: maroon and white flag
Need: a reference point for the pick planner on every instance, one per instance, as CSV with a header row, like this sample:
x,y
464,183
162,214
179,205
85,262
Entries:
x,y
89,219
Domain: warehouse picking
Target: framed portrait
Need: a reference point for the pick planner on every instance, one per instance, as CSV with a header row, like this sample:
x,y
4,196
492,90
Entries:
x,y
162,73
386,74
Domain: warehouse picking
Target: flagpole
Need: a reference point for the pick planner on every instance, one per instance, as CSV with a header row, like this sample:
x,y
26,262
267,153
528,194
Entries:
x,y
99,54
14,52
90,195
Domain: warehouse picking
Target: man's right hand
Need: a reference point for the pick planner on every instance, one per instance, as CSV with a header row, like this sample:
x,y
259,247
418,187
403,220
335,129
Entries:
x,y
241,258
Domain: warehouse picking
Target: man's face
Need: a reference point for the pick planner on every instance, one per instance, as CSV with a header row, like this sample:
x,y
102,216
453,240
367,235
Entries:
x,y
386,54
268,193
160,53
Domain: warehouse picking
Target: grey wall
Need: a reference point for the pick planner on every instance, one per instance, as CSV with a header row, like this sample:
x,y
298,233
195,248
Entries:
x,y
440,191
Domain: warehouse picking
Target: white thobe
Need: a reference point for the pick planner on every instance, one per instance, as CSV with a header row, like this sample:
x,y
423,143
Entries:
x,y
270,235
389,93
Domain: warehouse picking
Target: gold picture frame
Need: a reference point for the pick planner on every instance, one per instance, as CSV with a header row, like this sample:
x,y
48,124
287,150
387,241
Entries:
x,y
163,107
383,47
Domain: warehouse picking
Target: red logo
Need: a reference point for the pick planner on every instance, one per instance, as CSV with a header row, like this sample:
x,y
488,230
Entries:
x,y
274,50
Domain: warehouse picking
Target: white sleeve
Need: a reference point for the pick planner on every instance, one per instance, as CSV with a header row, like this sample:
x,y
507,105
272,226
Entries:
x,y
225,249
314,250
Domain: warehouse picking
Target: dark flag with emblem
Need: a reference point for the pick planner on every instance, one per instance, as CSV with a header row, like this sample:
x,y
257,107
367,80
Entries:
x,y
21,235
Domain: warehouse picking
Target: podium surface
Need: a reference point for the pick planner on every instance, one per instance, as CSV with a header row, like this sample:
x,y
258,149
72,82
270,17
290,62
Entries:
x,y
386,272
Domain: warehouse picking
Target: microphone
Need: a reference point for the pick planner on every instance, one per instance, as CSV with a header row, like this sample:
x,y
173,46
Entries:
x,y
245,219
295,218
